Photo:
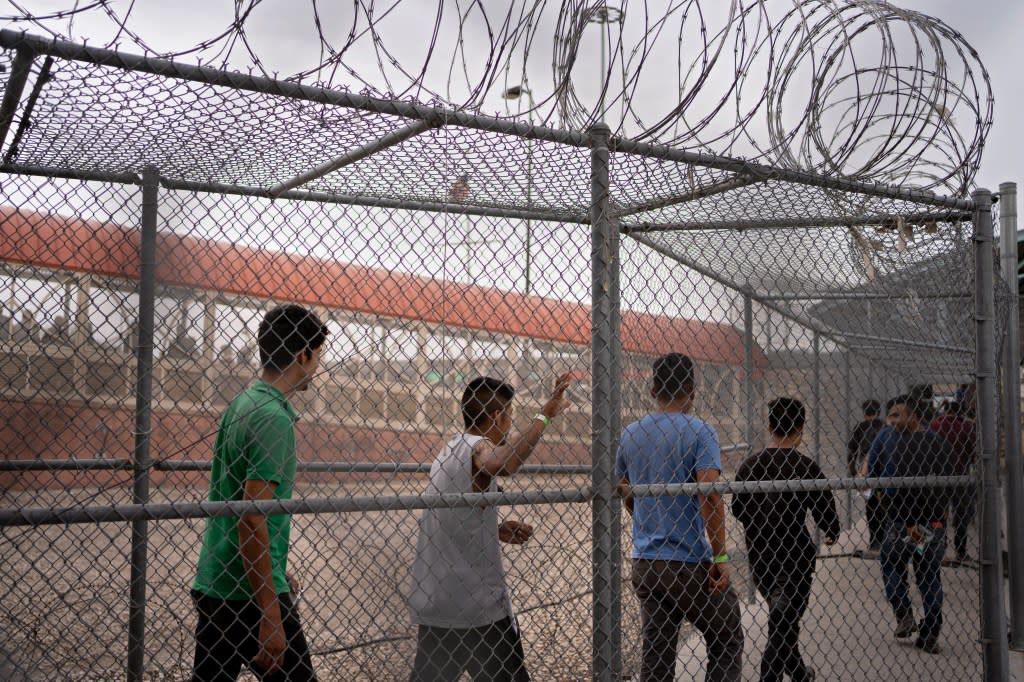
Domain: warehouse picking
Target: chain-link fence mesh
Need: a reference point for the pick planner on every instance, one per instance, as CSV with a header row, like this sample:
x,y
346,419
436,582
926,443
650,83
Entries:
x,y
458,253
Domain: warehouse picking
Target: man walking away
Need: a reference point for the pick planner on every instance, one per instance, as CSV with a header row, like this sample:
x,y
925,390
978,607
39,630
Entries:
x,y
678,573
857,449
782,553
459,598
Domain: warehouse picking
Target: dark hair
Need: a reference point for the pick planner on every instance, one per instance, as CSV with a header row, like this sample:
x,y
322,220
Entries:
x,y
906,399
673,377
286,331
955,407
483,397
871,407
921,392
922,397
786,416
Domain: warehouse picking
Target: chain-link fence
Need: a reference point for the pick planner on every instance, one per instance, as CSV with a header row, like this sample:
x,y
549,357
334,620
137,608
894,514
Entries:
x,y
151,219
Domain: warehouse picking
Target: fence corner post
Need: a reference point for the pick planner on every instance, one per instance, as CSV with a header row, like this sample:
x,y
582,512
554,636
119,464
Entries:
x,y
143,425
605,378
1011,413
993,621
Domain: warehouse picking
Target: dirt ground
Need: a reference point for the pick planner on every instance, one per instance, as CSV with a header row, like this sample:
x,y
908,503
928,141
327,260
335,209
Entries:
x,y
65,599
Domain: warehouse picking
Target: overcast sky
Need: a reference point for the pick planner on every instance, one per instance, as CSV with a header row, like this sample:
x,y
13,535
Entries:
x,y
283,34
996,30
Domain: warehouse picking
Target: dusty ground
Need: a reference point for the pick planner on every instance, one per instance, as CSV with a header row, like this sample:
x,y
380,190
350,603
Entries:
x,y
65,598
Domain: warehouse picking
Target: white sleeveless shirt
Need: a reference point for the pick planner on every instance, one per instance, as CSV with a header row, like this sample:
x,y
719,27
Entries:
x,y
458,580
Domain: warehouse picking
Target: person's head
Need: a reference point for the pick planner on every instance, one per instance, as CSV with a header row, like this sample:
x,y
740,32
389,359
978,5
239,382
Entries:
x,y
955,408
921,392
903,413
487,407
786,418
872,408
673,380
923,397
290,339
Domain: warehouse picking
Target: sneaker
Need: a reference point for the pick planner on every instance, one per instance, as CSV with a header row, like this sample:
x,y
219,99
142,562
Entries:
x,y
905,625
927,643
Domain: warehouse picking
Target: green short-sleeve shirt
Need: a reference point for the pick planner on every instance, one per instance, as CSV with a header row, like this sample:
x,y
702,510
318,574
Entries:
x,y
255,442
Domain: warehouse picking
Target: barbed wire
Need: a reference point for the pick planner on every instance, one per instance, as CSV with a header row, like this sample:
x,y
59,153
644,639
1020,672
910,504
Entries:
x,y
856,88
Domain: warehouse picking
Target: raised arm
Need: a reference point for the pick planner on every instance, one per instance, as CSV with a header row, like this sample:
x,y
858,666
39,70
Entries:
x,y
506,459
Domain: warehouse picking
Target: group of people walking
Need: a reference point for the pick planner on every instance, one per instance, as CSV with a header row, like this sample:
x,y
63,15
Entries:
x,y
680,560
459,599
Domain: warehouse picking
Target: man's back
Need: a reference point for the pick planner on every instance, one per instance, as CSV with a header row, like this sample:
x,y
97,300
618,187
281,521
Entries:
x,y
458,577
668,447
775,523
860,442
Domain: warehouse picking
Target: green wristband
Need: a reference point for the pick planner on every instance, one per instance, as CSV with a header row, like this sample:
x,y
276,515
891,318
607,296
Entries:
x,y
542,417
721,558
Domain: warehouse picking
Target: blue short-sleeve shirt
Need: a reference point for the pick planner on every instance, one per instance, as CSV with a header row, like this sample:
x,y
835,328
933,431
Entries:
x,y
668,448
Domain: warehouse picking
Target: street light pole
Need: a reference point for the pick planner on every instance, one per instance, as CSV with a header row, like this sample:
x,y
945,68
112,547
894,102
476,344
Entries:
x,y
515,92
604,15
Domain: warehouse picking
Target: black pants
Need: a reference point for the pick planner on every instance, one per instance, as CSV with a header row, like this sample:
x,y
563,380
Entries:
x,y
673,591
875,513
492,653
787,590
227,637
962,508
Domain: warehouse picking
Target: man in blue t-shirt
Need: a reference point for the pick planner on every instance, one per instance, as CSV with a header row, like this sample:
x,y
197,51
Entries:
x,y
678,573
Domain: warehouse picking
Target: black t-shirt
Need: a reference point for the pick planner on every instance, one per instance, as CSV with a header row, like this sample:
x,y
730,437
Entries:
x,y
860,443
920,453
774,524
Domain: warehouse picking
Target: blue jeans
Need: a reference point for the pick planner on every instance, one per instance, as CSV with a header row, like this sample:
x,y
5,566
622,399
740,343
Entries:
x,y
896,554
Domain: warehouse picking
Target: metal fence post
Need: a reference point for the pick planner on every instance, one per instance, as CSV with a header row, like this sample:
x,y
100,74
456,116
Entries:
x,y
816,412
1011,413
748,408
993,621
847,422
615,529
604,260
143,414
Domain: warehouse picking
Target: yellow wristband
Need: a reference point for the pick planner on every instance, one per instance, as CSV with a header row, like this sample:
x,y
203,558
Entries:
x,y
721,558
542,417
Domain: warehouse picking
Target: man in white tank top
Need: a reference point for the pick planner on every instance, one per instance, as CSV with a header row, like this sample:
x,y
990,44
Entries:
x,y
458,597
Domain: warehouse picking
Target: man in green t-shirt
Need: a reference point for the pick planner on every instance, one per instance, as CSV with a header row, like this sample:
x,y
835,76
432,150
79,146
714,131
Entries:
x,y
241,590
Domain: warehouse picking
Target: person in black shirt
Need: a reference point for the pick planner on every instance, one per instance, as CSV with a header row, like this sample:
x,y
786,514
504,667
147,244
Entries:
x,y
856,454
781,551
916,522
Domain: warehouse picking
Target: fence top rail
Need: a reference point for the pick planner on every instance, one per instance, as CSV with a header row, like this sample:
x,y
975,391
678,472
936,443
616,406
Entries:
x,y
121,513
306,466
437,116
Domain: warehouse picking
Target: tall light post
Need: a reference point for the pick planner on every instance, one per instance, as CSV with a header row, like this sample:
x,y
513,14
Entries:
x,y
514,93
603,15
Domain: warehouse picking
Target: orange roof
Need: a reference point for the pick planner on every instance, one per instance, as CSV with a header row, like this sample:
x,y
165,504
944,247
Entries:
x,y
69,243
